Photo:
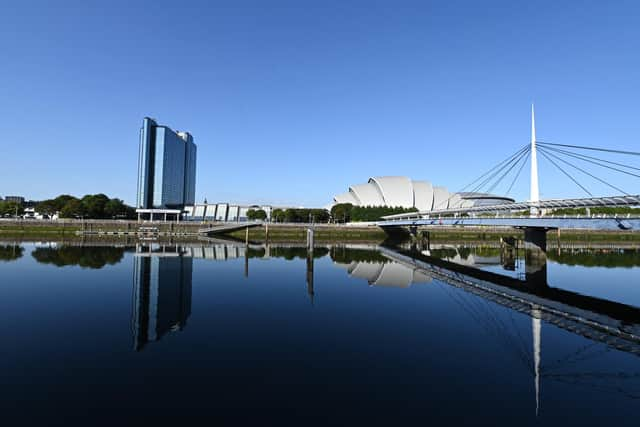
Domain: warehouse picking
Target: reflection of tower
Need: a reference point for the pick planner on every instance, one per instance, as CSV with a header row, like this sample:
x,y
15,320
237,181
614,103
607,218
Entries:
x,y
246,260
535,265
310,275
161,295
535,328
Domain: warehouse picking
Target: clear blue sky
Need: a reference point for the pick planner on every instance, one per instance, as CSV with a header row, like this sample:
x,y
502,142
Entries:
x,y
292,101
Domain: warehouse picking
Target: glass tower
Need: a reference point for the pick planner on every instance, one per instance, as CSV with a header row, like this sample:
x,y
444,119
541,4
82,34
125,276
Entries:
x,y
166,167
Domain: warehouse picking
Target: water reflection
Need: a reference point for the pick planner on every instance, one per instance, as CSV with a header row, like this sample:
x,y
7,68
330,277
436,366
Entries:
x,y
94,257
466,321
11,252
162,277
610,257
162,295
609,325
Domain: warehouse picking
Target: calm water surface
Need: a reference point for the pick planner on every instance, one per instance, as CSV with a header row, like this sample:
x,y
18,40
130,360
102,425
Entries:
x,y
353,334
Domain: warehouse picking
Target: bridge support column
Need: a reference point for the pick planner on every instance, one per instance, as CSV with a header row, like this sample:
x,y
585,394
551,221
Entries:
x,y
310,236
425,241
535,238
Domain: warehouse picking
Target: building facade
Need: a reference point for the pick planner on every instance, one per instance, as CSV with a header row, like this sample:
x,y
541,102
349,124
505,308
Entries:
x,y
17,199
222,212
166,168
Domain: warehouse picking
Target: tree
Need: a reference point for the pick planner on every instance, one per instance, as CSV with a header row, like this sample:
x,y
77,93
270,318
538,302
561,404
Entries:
x,y
375,213
256,214
115,208
73,209
62,200
94,205
291,215
47,207
341,212
11,208
277,215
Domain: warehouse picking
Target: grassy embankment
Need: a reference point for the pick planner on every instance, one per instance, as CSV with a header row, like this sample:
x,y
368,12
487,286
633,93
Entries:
x,y
295,233
450,234
323,233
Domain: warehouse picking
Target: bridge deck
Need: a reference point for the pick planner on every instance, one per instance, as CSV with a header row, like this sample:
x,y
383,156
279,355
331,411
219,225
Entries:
x,y
523,222
591,202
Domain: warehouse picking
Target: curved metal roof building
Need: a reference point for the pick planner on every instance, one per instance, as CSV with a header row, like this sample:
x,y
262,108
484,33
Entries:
x,y
400,191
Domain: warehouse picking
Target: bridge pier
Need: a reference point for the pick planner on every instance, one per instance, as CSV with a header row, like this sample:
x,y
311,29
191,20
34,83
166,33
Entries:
x,y
535,238
310,238
424,241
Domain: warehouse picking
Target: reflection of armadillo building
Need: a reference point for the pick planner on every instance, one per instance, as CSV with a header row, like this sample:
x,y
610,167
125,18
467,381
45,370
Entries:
x,y
161,295
385,274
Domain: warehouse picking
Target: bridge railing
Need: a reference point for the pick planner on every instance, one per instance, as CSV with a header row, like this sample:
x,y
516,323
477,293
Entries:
x,y
508,208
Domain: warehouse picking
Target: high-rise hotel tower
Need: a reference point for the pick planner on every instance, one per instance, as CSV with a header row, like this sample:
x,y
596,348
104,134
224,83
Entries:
x,y
166,168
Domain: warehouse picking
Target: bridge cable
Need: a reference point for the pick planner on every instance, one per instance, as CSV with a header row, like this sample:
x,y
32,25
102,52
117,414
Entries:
x,y
523,148
506,172
487,180
587,173
597,162
566,173
544,144
516,157
504,163
518,174
632,153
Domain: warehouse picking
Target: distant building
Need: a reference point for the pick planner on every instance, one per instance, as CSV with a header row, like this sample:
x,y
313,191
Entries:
x,y
166,169
222,212
400,191
17,199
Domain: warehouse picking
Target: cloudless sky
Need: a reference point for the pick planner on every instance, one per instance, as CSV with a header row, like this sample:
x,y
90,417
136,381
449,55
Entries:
x,y
290,102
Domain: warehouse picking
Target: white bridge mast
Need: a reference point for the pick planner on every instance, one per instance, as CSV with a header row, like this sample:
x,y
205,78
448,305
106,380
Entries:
x,y
534,191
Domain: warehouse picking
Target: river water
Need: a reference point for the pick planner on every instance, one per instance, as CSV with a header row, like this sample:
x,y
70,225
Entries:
x,y
347,334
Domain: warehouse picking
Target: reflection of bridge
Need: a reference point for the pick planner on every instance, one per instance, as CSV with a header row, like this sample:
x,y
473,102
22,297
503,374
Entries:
x,y
536,223
613,324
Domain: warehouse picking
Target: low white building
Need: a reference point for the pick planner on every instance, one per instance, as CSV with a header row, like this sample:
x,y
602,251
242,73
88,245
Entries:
x,y
222,212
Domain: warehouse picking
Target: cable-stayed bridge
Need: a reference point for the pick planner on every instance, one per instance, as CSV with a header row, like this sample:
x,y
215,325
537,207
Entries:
x,y
537,216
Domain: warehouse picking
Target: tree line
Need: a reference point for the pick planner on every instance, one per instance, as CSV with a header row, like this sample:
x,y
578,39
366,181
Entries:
x,y
10,208
340,213
90,206
300,215
346,212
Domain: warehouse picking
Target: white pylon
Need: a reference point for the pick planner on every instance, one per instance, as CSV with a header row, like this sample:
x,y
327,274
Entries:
x,y
534,190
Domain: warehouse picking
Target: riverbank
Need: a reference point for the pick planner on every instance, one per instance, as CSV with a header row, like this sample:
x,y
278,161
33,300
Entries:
x,y
119,229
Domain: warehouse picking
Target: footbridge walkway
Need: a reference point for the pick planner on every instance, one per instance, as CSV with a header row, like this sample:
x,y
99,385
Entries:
x,y
223,228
